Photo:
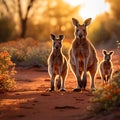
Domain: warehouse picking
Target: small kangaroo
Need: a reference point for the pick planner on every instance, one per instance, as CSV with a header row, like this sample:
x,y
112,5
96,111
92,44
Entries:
x,y
106,66
83,56
57,63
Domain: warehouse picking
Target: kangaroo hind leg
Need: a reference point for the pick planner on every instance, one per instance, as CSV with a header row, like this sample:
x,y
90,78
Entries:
x,y
79,82
92,72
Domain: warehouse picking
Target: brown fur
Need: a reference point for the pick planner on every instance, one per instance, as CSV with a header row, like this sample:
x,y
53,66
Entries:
x,y
57,63
82,55
106,66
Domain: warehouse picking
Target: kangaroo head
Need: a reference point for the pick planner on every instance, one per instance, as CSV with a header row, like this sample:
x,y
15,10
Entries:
x,y
80,30
107,55
57,42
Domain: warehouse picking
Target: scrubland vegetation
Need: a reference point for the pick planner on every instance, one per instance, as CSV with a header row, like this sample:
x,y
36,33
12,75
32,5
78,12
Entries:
x,y
108,97
7,72
29,52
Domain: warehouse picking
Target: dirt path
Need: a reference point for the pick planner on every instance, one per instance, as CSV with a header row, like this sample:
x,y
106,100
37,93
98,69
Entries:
x,y
32,101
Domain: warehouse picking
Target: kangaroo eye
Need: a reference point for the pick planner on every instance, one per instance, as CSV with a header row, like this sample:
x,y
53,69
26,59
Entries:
x,y
77,30
84,30
60,43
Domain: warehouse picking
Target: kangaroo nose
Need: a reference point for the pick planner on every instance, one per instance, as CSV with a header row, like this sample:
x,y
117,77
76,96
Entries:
x,y
56,47
80,35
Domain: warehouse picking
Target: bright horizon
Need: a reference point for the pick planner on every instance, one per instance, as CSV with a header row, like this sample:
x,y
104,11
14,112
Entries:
x,y
90,8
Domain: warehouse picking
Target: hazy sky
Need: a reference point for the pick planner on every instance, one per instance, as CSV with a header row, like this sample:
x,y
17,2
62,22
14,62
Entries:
x,y
90,8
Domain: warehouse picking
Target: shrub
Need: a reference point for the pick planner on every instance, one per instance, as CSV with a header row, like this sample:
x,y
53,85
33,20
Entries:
x,y
29,52
108,97
7,72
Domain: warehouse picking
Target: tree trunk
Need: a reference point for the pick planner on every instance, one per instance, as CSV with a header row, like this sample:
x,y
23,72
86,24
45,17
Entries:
x,y
23,28
24,20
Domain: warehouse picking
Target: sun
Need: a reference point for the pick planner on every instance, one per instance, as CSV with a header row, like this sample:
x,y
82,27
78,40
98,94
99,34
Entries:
x,y
90,8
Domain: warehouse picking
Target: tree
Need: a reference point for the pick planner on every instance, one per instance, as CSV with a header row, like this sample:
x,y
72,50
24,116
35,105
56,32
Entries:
x,y
23,15
37,18
24,19
57,17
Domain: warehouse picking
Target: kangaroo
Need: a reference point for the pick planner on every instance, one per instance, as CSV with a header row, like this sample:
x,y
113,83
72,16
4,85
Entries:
x,y
57,63
106,66
82,55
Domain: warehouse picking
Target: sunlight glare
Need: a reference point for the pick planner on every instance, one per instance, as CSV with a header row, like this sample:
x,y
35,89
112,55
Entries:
x,y
90,8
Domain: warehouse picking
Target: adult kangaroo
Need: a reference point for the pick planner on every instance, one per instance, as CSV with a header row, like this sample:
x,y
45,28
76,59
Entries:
x,y
83,56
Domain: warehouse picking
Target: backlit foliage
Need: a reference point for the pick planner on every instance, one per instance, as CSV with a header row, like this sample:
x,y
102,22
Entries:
x,y
7,72
108,97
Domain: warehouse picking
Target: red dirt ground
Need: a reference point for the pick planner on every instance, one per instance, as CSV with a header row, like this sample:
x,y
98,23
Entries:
x,y
32,101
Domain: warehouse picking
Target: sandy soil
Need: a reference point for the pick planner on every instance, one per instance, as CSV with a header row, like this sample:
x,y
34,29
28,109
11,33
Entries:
x,y
32,101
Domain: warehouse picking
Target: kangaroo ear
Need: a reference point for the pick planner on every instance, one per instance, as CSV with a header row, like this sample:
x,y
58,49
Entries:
x,y
75,22
105,52
111,52
87,21
61,37
52,36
